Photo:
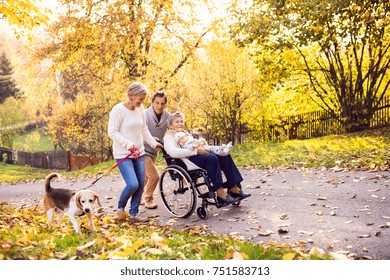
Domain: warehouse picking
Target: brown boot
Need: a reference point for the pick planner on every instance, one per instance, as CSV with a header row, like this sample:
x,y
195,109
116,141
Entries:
x,y
121,216
138,219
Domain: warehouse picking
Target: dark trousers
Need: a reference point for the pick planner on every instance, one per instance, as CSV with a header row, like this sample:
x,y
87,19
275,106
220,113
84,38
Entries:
x,y
214,164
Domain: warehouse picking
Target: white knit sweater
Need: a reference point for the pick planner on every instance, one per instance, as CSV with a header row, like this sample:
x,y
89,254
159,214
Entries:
x,y
174,150
127,128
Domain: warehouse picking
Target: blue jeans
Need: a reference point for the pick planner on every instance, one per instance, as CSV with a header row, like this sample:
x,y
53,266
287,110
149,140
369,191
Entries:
x,y
133,173
214,164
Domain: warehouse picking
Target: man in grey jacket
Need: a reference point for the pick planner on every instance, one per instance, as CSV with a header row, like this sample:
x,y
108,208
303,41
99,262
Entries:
x,y
156,119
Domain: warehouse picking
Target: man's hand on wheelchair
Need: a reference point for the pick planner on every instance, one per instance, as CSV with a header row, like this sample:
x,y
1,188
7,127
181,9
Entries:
x,y
159,147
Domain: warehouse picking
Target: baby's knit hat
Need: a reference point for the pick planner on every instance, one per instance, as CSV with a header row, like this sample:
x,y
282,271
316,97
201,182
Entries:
x,y
179,134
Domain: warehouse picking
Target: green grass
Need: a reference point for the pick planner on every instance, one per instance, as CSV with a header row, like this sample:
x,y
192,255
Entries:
x,y
33,142
367,150
10,173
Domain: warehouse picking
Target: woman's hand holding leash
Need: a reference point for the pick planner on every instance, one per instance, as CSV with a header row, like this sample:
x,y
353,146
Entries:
x,y
134,152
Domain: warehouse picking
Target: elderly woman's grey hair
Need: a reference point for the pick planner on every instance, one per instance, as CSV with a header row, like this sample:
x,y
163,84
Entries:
x,y
174,116
136,88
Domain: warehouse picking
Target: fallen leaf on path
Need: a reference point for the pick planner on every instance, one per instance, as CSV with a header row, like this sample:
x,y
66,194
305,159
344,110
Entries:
x,y
266,233
283,230
256,228
283,216
283,225
387,225
338,256
309,233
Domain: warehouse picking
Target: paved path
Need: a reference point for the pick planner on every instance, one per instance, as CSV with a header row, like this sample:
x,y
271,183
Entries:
x,y
347,212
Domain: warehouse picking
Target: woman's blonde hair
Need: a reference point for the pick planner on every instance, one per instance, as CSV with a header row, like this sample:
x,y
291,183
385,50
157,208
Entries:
x,y
136,88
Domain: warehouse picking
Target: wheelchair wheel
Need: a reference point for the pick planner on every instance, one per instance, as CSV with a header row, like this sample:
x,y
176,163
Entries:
x,y
202,213
177,191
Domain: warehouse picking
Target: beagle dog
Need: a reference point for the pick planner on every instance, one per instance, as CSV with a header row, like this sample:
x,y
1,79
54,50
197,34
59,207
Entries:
x,y
73,203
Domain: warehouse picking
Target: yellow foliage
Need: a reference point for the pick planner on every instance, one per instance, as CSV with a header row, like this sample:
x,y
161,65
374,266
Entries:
x,y
289,256
24,14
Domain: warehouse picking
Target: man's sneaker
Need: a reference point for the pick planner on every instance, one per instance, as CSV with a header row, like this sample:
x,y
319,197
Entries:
x,y
150,205
138,219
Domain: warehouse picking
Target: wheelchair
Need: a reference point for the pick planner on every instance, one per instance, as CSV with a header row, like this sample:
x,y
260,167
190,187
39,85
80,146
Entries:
x,y
180,189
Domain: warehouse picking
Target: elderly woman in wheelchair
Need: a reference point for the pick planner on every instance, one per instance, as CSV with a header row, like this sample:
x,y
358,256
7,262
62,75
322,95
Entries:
x,y
196,173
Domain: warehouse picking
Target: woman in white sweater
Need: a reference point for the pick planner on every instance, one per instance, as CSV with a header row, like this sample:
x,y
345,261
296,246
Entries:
x,y
128,131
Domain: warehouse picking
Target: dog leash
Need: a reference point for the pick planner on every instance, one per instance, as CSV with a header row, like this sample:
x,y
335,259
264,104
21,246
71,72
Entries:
x,y
133,152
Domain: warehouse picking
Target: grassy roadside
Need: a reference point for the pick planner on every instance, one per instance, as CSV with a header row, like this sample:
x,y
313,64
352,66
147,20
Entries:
x,y
368,150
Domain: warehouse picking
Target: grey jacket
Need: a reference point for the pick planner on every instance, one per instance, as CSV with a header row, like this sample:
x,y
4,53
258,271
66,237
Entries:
x,y
157,128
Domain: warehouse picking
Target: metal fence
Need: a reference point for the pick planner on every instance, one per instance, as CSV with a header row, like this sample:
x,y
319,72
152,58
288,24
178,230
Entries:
x,y
319,123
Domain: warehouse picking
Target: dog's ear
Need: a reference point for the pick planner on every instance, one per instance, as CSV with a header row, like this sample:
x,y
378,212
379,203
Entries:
x,y
78,202
96,199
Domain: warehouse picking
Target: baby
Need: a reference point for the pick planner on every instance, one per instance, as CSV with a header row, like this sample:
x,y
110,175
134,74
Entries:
x,y
187,141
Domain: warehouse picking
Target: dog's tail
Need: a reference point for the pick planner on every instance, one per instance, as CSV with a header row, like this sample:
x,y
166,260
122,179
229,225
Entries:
x,y
48,180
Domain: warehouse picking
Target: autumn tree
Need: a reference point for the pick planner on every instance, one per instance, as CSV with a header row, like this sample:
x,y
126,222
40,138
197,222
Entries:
x,y
224,92
81,125
23,15
104,37
344,46
98,48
